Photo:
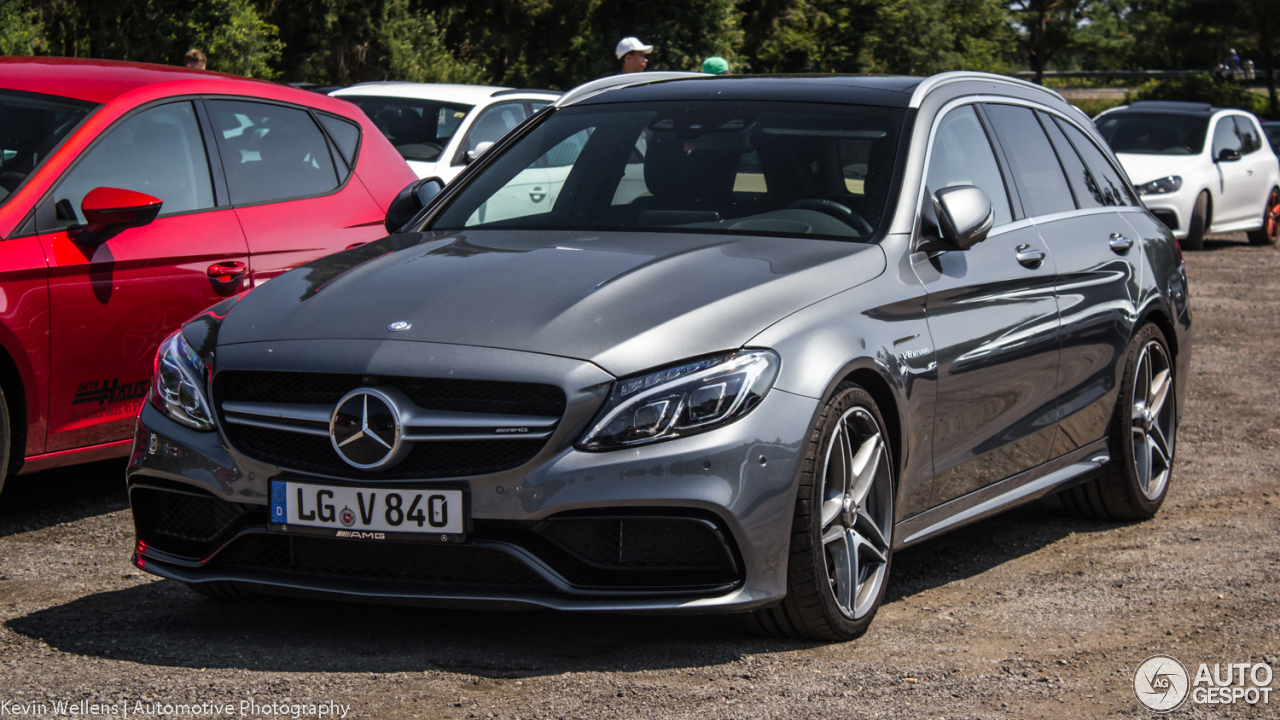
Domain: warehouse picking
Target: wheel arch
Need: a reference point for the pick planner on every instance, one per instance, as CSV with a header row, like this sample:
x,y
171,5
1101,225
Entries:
x,y
1156,314
869,375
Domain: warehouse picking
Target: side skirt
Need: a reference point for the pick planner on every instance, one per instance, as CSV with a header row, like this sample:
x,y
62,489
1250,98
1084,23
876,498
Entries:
x,y
1070,469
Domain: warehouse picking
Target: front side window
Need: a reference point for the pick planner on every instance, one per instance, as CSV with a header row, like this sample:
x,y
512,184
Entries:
x,y
1140,133
1226,136
962,155
159,152
31,126
709,166
417,129
271,152
492,123
1249,139
1040,177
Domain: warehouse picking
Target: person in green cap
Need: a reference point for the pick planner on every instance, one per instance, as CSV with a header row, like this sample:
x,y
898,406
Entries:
x,y
715,65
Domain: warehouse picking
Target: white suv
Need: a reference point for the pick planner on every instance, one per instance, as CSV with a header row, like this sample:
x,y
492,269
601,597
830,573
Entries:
x,y
437,128
1199,168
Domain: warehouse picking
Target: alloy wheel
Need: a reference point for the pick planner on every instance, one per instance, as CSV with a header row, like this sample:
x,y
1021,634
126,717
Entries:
x,y
857,512
1153,419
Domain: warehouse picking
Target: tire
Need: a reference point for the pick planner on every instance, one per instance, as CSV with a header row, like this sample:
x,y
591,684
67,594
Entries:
x,y
844,500
1135,483
1270,230
5,438
223,592
1198,225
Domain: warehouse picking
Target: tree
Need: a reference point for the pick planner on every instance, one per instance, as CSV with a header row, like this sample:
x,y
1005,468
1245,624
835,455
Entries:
x,y
1046,28
20,30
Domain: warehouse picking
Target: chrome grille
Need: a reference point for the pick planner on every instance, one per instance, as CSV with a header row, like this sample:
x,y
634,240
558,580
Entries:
x,y
455,428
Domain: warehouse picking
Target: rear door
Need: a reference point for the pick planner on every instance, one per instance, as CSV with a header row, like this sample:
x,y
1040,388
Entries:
x,y
291,184
111,305
993,318
1098,256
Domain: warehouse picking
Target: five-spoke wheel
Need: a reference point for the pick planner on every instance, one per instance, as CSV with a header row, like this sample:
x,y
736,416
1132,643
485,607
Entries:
x,y
857,504
1134,484
842,534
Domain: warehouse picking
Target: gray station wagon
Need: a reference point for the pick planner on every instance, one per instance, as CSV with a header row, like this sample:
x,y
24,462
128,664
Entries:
x,y
750,337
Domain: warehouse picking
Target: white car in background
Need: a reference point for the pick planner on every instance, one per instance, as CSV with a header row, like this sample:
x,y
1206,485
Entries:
x,y
438,129
1200,169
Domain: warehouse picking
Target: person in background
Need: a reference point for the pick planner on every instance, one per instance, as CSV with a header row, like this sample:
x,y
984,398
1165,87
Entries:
x,y
715,65
632,53
194,59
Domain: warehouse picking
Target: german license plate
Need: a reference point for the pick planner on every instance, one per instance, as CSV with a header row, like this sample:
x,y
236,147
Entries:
x,y
367,513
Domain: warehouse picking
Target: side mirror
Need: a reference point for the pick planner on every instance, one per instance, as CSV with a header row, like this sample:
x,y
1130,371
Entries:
x,y
1228,155
963,215
473,154
110,211
410,201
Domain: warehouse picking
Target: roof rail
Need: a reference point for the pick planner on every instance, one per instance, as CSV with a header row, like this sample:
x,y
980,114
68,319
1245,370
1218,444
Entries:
x,y
934,81
613,82
513,91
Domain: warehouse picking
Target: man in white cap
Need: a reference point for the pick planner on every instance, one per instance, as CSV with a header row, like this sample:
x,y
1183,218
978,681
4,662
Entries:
x,y
632,54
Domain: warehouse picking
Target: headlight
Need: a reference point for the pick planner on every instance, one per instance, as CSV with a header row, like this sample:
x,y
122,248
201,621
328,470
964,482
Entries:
x,y
682,400
1162,186
177,388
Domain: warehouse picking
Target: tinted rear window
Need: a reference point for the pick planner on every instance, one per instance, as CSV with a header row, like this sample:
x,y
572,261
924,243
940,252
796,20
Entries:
x,y
418,129
271,152
1034,163
709,166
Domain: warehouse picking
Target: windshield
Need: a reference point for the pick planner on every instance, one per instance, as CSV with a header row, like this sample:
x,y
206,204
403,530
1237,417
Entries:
x,y
1154,133
419,129
31,126
710,166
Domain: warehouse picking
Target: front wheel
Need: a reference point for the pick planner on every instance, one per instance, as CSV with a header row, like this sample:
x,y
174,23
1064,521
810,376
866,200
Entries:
x,y
1198,225
1270,230
842,530
1133,486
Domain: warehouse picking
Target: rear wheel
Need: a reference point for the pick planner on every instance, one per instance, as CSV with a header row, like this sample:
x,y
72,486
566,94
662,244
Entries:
x,y
1270,230
1198,225
1133,486
842,530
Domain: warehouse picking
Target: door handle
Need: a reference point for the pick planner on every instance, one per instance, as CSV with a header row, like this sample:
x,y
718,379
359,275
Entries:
x,y
1249,172
1120,244
1029,256
227,273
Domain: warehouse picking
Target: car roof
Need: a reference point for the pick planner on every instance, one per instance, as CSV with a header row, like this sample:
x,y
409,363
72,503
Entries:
x,y
99,81
890,91
1172,107
441,92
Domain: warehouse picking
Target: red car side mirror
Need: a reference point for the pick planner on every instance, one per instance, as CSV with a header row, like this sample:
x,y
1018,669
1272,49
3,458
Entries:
x,y
110,211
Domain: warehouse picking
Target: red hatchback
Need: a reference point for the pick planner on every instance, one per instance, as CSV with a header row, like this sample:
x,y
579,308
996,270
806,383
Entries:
x,y
132,197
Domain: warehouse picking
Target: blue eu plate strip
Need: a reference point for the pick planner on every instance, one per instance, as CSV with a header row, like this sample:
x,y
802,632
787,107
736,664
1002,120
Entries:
x,y
279,508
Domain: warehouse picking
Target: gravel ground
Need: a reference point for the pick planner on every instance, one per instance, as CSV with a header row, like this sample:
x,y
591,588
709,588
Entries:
x,y
1034,614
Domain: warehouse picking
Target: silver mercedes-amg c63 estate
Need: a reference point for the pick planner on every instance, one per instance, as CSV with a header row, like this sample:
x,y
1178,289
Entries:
x,y
684,343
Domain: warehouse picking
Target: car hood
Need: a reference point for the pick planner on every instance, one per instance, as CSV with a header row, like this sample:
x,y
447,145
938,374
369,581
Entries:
x,y
624,301
1145,168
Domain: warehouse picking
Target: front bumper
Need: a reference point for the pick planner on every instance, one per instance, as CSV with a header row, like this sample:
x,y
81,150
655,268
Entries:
x,y
735,483
1173,209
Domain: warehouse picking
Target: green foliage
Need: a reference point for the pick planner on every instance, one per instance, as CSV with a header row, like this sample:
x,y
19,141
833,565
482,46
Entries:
x,y
1194,88
20,30
238,41
416,50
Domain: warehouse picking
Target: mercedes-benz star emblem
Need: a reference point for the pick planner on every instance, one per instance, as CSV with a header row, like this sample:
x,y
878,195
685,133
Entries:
x,y
365,429
399,325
